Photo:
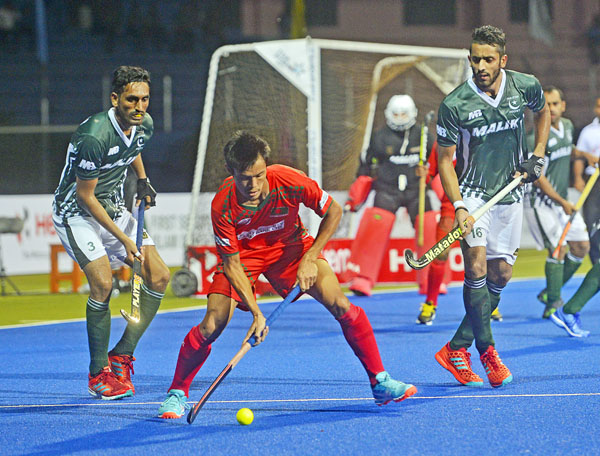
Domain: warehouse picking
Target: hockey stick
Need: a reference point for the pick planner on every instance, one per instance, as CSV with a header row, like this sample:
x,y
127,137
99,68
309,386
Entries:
x,y
136,280
239,355
584,194
448,240
422,156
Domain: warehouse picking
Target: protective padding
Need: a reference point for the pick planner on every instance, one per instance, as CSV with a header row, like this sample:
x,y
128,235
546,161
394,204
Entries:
x,y
359,191
369,245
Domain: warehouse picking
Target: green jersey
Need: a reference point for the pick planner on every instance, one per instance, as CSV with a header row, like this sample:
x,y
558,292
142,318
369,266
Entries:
x,y
100,150
558,161
489,133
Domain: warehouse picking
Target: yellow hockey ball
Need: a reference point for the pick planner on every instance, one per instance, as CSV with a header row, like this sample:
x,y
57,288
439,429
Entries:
x,y
245,416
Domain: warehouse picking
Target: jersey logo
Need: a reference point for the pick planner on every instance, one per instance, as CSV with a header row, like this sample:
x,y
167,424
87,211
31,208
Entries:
x,y
244,221
441,131
140,142
84,164
495,127
475,114
323,200
251,234
223,242
389,150
113,150
279,211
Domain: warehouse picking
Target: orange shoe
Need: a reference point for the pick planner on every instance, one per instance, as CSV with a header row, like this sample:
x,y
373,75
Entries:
x,y
105,385
458,362
498,374
122,367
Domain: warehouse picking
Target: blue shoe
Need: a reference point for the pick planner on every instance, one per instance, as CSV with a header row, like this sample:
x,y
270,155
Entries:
x,y
387,389
174,406
568,322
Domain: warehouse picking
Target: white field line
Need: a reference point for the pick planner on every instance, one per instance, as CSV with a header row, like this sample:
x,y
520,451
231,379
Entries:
x,y
275,401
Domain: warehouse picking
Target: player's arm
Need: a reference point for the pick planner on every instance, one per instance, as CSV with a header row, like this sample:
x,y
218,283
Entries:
x,y
144,189
307,269
232,267
450,183
88,201
545,186
578,180
578,154
532,167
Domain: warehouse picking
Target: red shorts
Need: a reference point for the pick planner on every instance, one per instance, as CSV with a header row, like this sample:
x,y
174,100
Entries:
x,y
447,209
278,264
444,226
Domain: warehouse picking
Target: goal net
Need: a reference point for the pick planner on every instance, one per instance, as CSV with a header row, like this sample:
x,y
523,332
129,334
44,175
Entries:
x,y
316,103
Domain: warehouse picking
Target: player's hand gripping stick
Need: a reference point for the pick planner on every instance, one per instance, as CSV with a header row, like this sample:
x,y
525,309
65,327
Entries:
x,y
448,240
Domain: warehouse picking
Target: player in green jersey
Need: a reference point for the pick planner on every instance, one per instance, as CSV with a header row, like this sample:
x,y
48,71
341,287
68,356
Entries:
x,y
547,209
99,233
482,122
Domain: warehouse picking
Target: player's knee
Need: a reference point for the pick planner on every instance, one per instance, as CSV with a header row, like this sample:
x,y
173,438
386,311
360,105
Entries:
x,y
101,288
579,249
211,327
339,306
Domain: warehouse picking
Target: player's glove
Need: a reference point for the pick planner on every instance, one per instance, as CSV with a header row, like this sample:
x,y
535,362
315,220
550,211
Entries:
x,y
144,189
533,167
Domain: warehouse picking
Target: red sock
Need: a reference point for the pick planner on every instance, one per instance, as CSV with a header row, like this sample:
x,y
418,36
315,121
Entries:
x,y
359,335
437,270
192,354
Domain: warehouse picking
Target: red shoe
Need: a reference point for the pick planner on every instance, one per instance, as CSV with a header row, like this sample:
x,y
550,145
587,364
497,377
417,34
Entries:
x,y
122,367
105,385
361,286
498,374
458,362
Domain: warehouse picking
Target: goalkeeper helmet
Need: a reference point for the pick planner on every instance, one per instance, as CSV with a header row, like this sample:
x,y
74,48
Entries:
x,y
400,112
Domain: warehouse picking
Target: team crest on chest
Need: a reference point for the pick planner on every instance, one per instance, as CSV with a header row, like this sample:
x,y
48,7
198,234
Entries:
x,y
389,150
279,211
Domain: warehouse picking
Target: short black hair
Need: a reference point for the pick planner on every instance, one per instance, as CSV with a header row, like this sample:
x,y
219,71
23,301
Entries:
x,y
551,88
125,74
488,34
243,149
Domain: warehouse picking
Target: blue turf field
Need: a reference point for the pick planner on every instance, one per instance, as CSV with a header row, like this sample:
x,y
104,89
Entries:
x,y
308,392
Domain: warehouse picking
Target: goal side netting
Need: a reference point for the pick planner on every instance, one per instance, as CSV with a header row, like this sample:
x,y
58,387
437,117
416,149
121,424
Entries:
x,y
315,101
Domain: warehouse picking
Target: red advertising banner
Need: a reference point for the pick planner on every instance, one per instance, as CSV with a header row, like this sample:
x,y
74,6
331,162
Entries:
x,y
202,261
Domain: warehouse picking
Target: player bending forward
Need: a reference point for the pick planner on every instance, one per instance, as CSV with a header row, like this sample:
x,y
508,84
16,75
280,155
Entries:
x,y
257,230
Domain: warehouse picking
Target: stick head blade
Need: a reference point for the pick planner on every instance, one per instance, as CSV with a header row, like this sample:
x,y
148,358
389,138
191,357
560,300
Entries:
x,y
412,261
129,318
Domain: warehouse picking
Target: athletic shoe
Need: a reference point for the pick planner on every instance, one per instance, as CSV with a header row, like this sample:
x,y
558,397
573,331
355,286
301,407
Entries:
x,y
497,373
105,385
551,307
427,314
458,363
122,367
568,322
496,315
543,297
387,389
174,406
361,286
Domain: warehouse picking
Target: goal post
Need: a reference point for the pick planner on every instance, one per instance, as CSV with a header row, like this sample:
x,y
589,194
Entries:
x,y
315,101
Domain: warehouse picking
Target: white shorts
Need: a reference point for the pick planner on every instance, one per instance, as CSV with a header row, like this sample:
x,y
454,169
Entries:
x,y
546,224
85,240
498,230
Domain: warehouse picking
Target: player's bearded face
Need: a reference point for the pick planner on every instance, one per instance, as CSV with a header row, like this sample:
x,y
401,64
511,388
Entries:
x,y
131,104
252,183
486,63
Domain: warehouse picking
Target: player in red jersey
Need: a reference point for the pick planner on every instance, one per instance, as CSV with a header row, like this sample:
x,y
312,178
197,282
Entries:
x,y
258,230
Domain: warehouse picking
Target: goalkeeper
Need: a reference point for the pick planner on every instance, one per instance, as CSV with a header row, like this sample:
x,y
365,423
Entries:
x,y
393,158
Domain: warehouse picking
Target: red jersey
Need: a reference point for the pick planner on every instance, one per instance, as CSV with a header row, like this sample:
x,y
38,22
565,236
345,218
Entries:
x,y
273,223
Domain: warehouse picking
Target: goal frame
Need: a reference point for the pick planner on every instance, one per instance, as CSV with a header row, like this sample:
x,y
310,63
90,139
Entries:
x,y
300,66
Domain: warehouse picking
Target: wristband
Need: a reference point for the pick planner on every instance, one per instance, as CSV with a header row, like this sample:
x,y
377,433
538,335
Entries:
x,y
459,204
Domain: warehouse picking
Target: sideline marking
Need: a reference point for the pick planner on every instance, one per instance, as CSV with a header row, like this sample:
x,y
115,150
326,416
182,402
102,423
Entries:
x,y
271,401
